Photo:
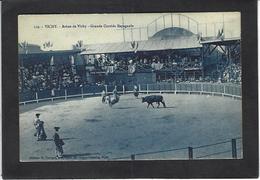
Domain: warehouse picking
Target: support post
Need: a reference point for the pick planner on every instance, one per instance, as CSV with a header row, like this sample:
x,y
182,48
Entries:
x,y
229,55
36,97
22,71
66,94
106,88
147,88
223,20
179,21
206,30
123,89
198,28
215,34
202,60
188,24
163,22
123,28
175,88
147,32
140,34
171,20
155,26
132,38
82,92
132,157
139,87
234,149
190,153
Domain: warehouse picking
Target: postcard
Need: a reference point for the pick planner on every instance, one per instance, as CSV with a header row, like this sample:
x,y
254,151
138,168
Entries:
x,y
130,86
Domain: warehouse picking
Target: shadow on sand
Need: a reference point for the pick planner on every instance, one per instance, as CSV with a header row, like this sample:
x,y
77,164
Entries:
x,y
47,140
62,139
168,107
161,107
124,108
93,120
68,138
78,155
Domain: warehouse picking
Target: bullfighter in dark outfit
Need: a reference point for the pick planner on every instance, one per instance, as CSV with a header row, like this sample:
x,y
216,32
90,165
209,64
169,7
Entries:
x,y
36,125
103,95
40,132
42,135
58,143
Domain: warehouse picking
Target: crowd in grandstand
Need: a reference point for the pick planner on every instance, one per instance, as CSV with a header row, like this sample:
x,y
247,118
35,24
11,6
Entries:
x,y
154,63
42,76
232,73
47,76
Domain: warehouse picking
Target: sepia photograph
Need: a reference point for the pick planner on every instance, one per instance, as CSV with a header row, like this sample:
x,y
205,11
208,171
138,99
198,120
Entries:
x,y
130,86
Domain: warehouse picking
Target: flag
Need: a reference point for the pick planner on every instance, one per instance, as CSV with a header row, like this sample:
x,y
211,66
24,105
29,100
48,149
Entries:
x,y
47,44
52,61
72,60
134,46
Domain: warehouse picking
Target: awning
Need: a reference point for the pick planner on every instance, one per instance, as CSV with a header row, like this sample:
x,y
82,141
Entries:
x,y
149,45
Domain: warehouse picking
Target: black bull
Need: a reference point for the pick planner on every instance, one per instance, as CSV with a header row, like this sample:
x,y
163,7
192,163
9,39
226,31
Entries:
x,y
153,98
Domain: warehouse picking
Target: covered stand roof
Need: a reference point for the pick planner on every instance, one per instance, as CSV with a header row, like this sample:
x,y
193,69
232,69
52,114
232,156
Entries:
x,y
32,49
219,41
148,45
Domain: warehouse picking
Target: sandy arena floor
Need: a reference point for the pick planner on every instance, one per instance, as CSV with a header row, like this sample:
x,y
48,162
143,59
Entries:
x,y
94,131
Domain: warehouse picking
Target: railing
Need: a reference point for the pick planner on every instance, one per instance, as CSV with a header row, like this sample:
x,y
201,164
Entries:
x,y
182,21
232,148
229,90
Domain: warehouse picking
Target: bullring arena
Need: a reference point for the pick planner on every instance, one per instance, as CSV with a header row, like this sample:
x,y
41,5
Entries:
x,y
92,130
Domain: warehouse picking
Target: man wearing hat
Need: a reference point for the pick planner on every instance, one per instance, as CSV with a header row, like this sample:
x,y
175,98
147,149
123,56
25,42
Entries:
x,y
40,132
136,91
58,143
42,135
36,124
103,95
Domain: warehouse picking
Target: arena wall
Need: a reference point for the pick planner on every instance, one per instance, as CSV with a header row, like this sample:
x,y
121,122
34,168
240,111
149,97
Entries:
x,y
218,89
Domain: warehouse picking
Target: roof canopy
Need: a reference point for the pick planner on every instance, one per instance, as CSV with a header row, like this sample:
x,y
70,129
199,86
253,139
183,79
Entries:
x,y
50,53
149,45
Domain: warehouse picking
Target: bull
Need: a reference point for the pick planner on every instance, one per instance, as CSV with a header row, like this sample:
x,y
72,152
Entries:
x,y
154,98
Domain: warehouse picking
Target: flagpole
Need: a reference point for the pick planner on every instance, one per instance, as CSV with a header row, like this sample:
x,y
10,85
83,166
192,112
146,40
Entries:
x,y
123,27
223,19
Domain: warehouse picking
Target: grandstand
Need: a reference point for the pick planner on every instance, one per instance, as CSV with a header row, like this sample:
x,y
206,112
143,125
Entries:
x,y
176,48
